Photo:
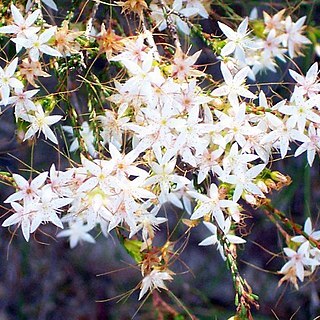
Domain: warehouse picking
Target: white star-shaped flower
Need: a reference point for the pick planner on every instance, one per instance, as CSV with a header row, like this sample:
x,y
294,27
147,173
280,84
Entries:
x,y
21,27
234,86
7,81
309,84
238,41
154,280
37,44
41,122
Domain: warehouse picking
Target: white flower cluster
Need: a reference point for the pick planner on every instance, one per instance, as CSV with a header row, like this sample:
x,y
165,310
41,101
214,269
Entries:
x,y
177,14
162,124
260,52
303,261
26,35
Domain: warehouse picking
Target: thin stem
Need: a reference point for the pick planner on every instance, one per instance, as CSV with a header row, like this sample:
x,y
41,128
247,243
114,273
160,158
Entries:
x,y
244,297
280,216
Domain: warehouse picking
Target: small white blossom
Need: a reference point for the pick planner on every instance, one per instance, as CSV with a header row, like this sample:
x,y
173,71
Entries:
x,y
77,232
238,41
154,280
21,27
298,261
234,86
7,81
41,122
213,239
38,44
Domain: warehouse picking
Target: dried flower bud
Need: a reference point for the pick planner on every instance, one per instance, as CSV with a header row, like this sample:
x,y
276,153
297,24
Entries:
x,y
278,176
270,183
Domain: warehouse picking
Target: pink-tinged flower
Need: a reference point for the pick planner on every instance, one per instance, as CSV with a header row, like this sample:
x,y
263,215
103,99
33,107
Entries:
x,y
309,84
22,28
22,102
135,50
7,81
182,65
300,109
37,44
154,280
275,22
206,162
191,96
27,190
123,164
293,39
298,261
238,41
311,145
111,125
272,46
41,122
234,86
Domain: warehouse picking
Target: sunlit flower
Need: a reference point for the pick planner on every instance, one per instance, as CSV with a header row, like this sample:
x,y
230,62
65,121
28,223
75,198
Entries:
x,y
308,84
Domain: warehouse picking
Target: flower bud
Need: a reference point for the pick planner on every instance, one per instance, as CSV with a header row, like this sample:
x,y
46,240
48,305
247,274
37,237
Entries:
x,y
278,176
250,198
270,183
261,184
317,49
217,102
234,212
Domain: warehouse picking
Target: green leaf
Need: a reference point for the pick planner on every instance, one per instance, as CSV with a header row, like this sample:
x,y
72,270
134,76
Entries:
x,y
133,247
179,317
258,28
